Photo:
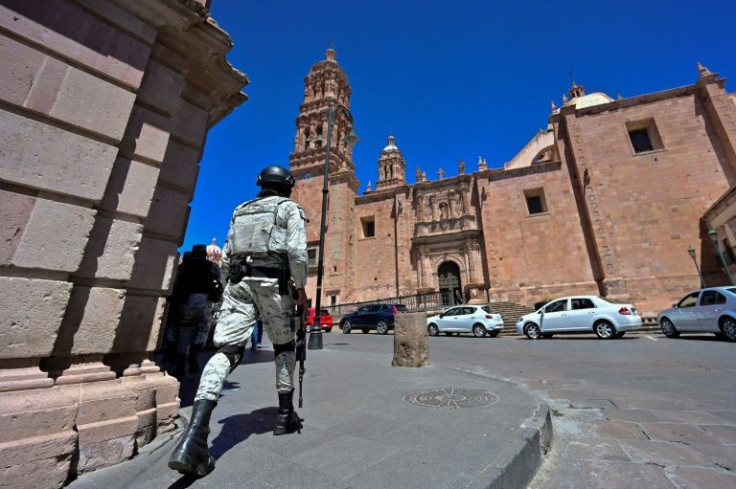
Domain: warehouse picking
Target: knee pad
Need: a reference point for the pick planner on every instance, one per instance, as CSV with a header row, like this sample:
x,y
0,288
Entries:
x,y
287,347
233,354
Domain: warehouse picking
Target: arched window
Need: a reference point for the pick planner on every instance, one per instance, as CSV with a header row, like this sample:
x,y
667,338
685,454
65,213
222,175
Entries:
x,y
544,156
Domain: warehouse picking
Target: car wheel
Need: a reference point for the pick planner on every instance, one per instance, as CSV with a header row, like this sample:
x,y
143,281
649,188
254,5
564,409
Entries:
x,y
620,335
493,334
547,336
604,330
381,327
346,327
668,328
327,330
479,330
448,333
365,330
728,326
532,331
433,330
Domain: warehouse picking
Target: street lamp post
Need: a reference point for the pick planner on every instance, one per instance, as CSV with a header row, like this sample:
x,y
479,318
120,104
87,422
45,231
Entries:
x,y
315,336
713,234
691,252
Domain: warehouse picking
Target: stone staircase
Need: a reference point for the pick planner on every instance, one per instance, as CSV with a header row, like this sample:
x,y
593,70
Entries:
x,y
510,312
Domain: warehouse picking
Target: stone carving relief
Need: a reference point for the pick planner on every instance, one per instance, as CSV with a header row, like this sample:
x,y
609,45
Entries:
x,y
441,206
443,210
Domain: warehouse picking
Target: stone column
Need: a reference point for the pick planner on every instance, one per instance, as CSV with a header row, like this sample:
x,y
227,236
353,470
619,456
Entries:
x,y
102,135
426,270
411,348
465,201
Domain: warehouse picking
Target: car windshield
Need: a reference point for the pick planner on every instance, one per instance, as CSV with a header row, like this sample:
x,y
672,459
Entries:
x,y
487,309
324,312
401,308
731,289
605,300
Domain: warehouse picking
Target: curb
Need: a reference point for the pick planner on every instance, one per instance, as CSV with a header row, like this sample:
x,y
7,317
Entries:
x,y
519,462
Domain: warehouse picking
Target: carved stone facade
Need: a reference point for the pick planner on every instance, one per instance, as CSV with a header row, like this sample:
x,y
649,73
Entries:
x,y
605,201
105,111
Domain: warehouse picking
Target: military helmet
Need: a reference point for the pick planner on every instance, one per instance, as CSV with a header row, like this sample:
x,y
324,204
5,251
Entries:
x,y
275,175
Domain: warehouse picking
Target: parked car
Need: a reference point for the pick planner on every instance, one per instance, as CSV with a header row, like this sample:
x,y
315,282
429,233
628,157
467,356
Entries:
x,y
372,316
325,320
580,314
479,320
709,310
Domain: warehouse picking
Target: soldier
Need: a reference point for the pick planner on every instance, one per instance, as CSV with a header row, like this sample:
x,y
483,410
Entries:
x,y
266,246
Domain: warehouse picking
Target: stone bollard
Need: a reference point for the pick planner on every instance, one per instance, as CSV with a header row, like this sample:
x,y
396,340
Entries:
x,y
411,348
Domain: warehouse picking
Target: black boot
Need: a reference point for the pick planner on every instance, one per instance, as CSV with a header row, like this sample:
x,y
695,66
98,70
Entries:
x,y
287,421
194,359
191,456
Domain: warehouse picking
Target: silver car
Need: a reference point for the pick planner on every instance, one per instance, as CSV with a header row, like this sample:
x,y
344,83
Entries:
x,y
709,310
467,318
580,314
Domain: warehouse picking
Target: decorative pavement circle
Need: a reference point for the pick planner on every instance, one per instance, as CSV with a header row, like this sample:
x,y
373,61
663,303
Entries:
x,y
452,398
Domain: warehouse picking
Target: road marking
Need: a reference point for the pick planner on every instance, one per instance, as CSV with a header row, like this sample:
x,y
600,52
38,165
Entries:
x,y
651,338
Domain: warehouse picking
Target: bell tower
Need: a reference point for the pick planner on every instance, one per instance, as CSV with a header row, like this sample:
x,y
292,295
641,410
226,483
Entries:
x,y
391,166
326,86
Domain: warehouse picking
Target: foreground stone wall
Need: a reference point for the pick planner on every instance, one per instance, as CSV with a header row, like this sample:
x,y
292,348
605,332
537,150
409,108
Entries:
x,y
103,117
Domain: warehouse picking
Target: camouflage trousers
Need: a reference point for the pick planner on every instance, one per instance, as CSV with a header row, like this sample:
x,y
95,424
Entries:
x,y
244,303
191,324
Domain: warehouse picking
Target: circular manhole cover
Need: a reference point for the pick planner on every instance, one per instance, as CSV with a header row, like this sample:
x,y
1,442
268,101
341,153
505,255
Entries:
x,y
452,398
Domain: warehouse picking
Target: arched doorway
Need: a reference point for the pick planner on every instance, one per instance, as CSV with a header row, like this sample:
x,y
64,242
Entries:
x,y
450,285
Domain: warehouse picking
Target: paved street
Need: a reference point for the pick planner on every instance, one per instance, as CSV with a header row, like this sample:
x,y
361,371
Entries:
x,y
640,412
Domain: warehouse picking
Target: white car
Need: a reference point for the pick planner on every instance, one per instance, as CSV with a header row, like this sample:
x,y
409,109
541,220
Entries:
x,y
467,318
580,314
711,310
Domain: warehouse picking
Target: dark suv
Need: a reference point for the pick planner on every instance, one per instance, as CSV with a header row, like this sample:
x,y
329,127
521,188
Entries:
x,y
372,316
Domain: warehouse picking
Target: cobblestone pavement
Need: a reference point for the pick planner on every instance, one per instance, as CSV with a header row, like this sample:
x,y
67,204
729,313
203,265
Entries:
x,y
641,412
609,438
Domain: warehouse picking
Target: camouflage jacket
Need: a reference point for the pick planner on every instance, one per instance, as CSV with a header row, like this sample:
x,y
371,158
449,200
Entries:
x,y
267,230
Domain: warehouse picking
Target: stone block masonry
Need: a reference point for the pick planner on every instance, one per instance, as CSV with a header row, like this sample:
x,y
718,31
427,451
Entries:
x,y
103,118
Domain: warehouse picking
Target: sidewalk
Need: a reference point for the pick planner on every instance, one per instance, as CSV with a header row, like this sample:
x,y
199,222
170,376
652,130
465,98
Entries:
x,y
367,425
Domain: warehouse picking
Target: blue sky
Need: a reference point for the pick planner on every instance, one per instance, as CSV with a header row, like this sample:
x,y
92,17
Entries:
x,y
450,80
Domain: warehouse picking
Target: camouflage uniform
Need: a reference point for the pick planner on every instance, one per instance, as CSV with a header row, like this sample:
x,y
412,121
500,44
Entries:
x,y
258,297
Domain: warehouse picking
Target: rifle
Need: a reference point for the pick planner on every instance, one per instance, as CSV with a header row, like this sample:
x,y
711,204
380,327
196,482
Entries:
x,y
301,346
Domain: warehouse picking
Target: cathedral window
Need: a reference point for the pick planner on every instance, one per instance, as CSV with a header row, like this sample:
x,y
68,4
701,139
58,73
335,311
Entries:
x,y
535,202
318,141
644,136
369,226
307,139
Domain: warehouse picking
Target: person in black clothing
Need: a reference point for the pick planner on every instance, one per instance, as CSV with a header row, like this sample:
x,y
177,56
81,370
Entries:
x,y
196,288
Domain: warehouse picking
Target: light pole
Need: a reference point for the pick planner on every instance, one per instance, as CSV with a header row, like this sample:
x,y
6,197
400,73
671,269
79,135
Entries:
x,y
315,336
691,252
713,234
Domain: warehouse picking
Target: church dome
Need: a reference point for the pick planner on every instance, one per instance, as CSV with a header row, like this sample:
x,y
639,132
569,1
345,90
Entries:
x,y
596,98
214,253
580,99
391,146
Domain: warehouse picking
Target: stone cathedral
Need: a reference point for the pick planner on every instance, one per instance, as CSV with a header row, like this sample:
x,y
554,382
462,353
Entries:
x,y
607,200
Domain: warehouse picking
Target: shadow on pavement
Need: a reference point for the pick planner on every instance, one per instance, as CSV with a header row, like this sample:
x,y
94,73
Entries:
x,y
239,427
183,481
